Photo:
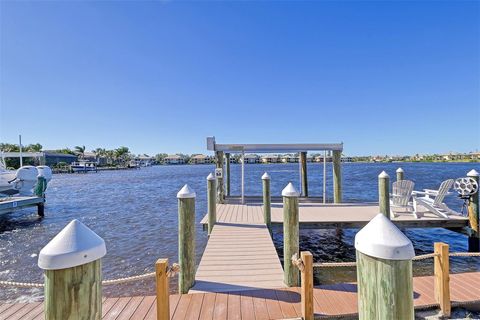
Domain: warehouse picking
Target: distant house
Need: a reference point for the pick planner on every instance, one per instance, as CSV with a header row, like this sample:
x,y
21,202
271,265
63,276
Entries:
x,y
53,158
200,159
270,159
288,158
250,159
89,156
174,159
320,159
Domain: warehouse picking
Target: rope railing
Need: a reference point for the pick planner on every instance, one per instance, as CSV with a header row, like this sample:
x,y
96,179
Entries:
x,y
171,272
296,262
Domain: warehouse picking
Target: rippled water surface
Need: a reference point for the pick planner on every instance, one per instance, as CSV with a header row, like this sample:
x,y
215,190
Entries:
x,y
135,212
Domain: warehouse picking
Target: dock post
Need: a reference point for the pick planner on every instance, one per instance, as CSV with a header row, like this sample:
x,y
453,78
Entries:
x,y
267,213
384,271
227,164
186,238
73,273
163,288
212,204
383,194
337,176
307,286
220,187
474,216
303,168
400,174
442,277
290,234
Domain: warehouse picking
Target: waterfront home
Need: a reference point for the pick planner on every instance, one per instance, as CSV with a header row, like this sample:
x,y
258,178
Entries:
x,y
320,159
273,158
200,159
289,158
174,159
144,160
250,159
52,158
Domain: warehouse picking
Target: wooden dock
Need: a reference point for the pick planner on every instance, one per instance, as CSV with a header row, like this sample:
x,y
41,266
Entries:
x,y
239,255
329,301
10,204
324,216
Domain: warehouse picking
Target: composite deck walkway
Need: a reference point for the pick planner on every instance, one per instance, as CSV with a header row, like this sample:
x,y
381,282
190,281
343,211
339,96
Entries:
x,y
329,301
239,255
343,215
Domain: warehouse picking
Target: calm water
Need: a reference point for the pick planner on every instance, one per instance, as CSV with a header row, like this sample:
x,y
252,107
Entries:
x,y
136,213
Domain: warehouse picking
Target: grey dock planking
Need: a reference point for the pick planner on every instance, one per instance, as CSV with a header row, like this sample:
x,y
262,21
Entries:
x,y
324,216
240,254
10,204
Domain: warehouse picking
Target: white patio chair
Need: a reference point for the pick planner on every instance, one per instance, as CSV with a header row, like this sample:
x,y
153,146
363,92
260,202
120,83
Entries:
x,y
400,197
432,200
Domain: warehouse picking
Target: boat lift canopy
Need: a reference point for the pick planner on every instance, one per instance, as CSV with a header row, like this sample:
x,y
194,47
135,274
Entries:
x,y
278,148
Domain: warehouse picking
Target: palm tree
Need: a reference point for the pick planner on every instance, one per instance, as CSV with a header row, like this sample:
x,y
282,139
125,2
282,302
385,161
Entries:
x,y
80,150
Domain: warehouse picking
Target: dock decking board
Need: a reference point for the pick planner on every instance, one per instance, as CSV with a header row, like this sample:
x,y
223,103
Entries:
x,y
280,303
318,215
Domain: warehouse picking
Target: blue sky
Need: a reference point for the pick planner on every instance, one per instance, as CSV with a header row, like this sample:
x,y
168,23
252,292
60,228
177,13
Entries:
x,y
390,77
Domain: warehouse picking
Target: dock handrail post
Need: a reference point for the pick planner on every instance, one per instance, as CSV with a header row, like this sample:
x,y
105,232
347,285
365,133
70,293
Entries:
x,y
303,169
163,288
227,168
400,174
383,194
290,234
384,271
474,216
73,273
186,238
212,204
307,285
267,210
442,277
337,176
220,186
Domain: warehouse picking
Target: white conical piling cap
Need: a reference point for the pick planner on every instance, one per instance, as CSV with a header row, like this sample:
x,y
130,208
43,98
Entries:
x,y
186,192
266,176
398,170
211,176
290,191
383,175
380,238
472,173
75,245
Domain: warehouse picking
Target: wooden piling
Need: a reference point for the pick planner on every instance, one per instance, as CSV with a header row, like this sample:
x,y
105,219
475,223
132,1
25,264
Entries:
x,y
474,216
442,277
303,166
290,235
163,288
219,165
73,277
384,271
227,164
267,210
337,176
307,286
383,194
400,174
186,238
212,203
41,209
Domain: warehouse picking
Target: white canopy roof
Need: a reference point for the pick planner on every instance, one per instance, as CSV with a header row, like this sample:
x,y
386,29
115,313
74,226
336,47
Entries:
x,y
272,148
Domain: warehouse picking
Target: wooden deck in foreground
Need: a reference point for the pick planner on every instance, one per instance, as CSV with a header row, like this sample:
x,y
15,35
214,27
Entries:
x,y
325,216
329,300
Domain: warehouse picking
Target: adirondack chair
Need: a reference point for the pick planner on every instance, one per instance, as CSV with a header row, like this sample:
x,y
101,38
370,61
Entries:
x,y
432,200
400,197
